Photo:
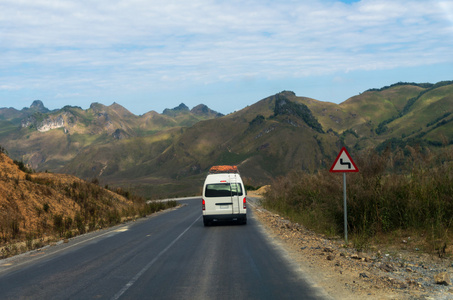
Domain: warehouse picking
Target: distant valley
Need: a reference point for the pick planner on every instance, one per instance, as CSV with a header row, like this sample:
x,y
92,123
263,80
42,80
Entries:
x,y
168,154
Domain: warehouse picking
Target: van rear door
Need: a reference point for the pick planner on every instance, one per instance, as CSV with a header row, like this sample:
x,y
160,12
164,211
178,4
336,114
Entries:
x,y
218,198
223,197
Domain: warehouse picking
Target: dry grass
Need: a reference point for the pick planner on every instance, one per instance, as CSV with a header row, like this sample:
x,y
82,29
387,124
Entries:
x,y
395,195
39,208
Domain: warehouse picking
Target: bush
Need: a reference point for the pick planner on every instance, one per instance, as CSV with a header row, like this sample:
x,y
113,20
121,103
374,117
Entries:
x,y
95,208
155,206
113,217
58,224
417,197
15,229
80,224
46,207
3,150
23,167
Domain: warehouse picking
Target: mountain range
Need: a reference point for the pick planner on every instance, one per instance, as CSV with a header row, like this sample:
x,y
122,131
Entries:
x,y
169,153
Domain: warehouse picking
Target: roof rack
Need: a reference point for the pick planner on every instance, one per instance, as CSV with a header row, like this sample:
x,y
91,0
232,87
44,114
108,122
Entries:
x,y
223,169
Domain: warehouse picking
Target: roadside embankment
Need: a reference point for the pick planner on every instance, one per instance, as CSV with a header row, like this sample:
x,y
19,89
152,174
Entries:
x,y
346,273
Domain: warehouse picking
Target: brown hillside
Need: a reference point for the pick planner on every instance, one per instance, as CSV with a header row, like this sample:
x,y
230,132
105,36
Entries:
x,y
41,205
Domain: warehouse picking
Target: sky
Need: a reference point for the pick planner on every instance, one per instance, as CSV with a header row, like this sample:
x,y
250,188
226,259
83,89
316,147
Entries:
x,y
228,54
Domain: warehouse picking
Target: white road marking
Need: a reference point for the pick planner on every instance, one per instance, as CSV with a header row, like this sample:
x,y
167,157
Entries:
x,y
142,271
44,254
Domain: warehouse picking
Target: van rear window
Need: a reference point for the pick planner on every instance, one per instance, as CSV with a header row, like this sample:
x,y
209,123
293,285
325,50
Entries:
x,y
223,190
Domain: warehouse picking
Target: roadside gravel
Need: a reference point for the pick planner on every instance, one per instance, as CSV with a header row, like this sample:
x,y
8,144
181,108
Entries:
x,y
347,274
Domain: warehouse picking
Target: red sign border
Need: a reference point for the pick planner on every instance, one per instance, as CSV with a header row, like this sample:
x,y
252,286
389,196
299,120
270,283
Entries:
x,y
336,160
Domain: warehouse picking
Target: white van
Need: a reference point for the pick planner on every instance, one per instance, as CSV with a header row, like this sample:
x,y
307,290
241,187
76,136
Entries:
x,y
224,196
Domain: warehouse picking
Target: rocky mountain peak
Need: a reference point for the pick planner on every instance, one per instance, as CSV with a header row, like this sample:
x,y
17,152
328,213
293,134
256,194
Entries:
x,y
181,108
38,106
205,111
96,107
120,110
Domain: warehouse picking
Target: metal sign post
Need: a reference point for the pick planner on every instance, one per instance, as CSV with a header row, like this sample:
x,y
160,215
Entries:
x,y
344,164
345,209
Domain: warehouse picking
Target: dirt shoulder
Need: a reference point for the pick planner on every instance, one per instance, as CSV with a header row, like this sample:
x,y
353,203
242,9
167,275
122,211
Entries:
x,y
347,274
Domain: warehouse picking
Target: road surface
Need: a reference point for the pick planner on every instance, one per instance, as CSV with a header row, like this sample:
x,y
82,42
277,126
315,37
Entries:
x,y
170,255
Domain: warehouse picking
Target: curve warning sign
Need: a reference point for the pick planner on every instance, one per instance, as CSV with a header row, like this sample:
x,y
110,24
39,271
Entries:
x,y
344,163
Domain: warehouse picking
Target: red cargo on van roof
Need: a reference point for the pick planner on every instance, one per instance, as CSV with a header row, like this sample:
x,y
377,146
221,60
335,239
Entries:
x,y
223,169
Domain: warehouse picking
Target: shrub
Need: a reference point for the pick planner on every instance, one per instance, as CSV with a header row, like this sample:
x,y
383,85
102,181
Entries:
x,y
80,224
58,224
14,227
113,217
417,197
29,242
3,150
23,167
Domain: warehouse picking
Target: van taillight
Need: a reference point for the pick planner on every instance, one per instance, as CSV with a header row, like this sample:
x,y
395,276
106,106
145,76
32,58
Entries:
x,y
244,203
203,204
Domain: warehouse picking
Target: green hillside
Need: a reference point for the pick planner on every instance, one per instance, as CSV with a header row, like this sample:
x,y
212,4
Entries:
x,y
169,153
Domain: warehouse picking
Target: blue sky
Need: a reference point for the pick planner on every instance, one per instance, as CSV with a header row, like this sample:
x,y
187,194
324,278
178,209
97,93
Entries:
x,y
151,55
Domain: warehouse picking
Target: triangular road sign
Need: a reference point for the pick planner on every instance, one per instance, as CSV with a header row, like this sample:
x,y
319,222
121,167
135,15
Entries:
x,y
344,163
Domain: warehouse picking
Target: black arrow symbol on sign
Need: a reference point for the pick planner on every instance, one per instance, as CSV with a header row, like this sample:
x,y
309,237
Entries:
x,y
345,163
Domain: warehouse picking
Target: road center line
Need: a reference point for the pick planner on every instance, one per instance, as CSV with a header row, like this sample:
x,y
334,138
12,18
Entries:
x,y
139,274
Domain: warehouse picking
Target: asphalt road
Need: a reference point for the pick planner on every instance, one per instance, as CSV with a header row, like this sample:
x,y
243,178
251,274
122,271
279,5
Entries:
x,y
170,255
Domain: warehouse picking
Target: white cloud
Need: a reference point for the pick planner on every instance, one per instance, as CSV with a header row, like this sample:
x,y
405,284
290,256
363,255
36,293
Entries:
x,y
128,43
9,87
68,95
